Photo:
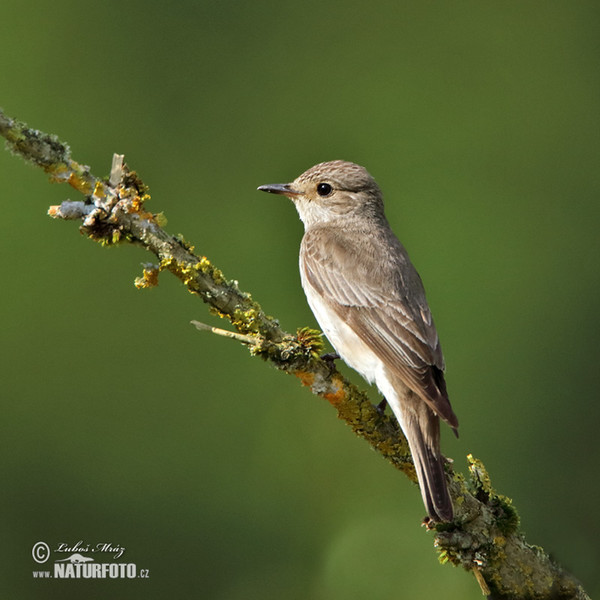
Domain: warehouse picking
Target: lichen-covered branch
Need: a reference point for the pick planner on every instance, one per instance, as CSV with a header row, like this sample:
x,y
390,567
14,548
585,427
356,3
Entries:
x,y
484,537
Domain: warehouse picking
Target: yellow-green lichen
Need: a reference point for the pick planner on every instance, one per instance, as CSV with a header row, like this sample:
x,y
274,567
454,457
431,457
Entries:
x,y
160,219
185,271
507,518
148,279
99,191
184,243
209,269
246,320
81,182
216,312
479,476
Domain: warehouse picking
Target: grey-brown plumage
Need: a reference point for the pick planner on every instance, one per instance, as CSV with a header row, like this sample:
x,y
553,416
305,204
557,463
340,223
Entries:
x,y
370,303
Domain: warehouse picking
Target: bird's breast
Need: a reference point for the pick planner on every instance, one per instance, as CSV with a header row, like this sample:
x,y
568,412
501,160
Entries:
x,y
342,337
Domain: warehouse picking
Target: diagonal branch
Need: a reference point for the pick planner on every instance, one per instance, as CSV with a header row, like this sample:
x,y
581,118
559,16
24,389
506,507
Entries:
x,y
485,536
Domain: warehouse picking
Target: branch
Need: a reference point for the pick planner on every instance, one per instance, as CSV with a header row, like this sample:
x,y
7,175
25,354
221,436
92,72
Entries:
x,y
485,536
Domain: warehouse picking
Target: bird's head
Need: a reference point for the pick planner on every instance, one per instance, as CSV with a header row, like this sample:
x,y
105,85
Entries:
x,y
331,191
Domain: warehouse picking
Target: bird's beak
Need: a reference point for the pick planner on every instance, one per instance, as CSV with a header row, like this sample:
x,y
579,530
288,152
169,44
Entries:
x,y
279,188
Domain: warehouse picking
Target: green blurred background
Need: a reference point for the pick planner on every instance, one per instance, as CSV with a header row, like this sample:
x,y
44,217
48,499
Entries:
x,y
221,476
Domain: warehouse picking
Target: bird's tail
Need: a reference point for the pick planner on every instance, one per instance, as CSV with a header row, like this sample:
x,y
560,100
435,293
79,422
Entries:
x,y
422,430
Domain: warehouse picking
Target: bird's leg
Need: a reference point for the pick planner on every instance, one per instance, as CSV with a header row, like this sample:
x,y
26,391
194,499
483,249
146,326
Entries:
x,y
330,359
381,407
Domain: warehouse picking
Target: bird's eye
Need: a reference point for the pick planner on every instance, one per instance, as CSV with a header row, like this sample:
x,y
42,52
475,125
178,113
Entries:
x,y
324,189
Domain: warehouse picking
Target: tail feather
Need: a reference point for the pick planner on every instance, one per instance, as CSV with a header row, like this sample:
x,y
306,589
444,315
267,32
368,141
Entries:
x,y
429,466
421,426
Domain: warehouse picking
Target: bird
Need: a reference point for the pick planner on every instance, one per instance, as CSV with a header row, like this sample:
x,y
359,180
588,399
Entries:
x,y
370,303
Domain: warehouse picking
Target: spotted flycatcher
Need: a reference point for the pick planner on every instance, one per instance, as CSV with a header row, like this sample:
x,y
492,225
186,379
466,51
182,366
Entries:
x,y
370,303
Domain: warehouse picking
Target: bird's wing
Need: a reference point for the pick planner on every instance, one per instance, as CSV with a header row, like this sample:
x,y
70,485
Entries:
x,y
384,302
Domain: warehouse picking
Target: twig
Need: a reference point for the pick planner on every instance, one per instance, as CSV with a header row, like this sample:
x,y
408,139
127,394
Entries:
x,y
245,339
117,170
485,590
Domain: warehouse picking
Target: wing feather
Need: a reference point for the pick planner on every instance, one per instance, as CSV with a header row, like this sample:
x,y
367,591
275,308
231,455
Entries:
x,y
384,302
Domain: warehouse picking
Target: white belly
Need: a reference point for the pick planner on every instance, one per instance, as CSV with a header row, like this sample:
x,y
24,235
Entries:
x,y
354,351
347,344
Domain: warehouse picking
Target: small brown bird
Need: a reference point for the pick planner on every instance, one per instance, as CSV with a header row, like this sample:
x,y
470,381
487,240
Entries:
x,y
370,303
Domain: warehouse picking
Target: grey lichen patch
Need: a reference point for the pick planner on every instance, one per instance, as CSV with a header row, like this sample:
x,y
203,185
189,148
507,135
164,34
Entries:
x,y
43,149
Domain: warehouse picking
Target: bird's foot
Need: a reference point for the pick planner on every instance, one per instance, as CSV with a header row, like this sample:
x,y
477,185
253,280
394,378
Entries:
x,y
330,359
381,407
